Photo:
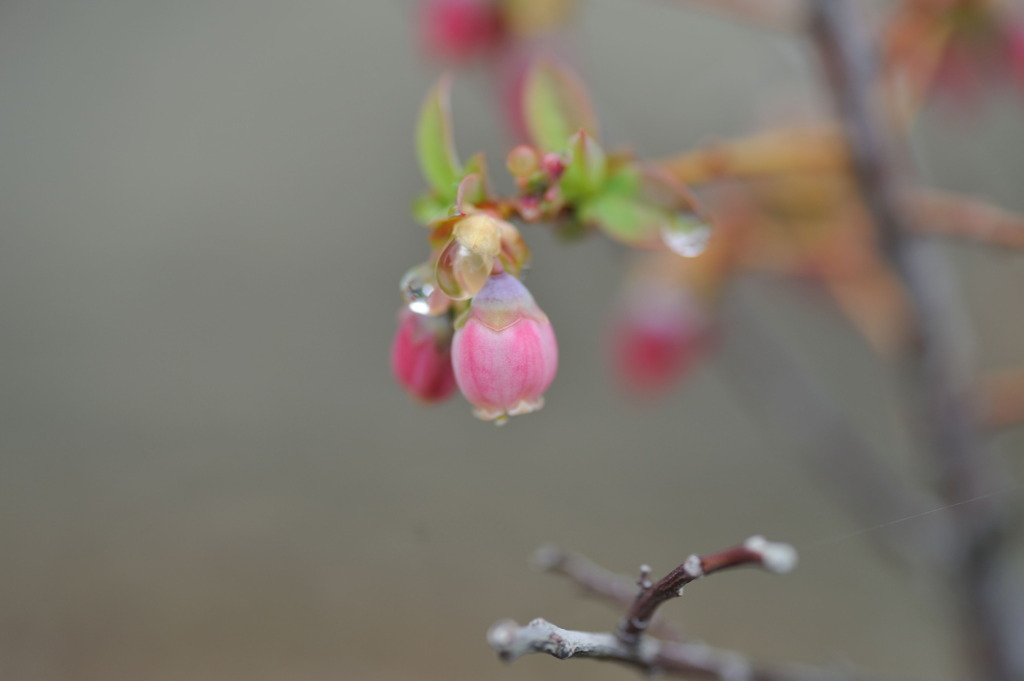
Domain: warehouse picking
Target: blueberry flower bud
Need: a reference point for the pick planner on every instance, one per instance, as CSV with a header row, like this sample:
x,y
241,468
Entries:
x,y
504,352
465,263
421,357
659,332
459,30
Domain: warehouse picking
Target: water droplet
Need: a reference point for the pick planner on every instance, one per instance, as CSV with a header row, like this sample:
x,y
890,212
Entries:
x,y
688,239
473,269
421,293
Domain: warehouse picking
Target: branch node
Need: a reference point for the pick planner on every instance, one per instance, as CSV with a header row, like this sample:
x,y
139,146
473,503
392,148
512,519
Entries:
x,y
639,624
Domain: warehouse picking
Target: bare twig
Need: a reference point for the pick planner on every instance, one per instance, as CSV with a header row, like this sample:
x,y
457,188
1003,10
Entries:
x,y
756,551
511,640
597,581
652,655
946,214
822,150
592,577
810,149
964,470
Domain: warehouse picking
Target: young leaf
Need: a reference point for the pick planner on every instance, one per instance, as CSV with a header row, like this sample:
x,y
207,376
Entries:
x,y
555,105
435,147
474,189
470,193
625,219
587,169
428,208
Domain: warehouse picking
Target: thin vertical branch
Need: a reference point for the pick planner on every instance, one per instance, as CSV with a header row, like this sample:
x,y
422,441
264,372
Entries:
x,y
963,468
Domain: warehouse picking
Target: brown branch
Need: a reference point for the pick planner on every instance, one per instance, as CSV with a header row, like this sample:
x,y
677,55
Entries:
x,y
756,551
964,470
944,214
823,150
819,149
597,581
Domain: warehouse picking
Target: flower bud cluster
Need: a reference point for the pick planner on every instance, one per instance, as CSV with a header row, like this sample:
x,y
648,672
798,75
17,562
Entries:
x,y
469,322
537,178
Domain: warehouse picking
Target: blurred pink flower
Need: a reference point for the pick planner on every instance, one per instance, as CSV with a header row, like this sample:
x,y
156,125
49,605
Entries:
x,y
421,357
504,352
657,335
457,30
986,48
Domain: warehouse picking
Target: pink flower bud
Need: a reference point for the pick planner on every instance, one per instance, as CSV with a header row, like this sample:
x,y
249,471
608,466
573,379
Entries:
x,y
657,336
504,351
1015,50
553,164
421,358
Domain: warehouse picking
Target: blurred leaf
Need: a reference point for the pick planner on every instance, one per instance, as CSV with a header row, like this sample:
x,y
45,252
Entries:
x,y
555,105
625,219
474,188
586,171
623,180
569,230
441,232
470,193
428,208
435,147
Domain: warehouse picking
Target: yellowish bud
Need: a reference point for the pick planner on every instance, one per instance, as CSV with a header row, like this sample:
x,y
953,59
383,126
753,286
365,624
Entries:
x,y
479,234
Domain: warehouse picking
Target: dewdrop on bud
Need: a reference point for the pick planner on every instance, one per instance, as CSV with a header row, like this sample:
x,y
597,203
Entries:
x,y
686,236
504,351
466,261
421,293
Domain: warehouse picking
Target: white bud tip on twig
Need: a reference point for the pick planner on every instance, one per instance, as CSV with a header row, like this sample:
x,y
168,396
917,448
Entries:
x,y
775,556
693,566
502,635
546,557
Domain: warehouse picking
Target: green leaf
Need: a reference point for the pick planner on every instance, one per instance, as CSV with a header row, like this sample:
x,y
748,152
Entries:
x,y
473,189
555,105
428,208
587,169
624,219
470,194
624,181
435,147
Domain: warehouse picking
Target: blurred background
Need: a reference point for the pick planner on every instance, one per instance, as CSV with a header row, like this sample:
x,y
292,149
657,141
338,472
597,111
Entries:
x,y
207,471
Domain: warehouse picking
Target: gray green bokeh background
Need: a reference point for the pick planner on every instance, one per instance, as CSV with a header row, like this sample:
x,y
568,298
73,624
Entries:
x,y
206,470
